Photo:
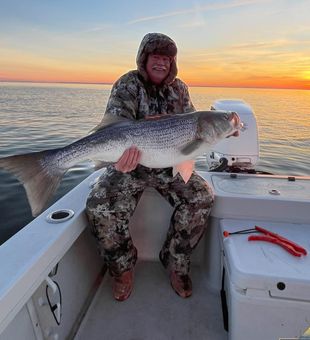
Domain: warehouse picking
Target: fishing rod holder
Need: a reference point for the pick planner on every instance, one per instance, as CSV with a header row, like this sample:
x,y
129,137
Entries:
x,y
59,216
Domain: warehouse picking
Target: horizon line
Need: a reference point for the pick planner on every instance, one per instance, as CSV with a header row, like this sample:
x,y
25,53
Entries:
x,y
189,85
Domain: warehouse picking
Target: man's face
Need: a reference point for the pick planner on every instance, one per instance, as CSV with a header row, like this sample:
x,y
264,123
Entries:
x,y
157,67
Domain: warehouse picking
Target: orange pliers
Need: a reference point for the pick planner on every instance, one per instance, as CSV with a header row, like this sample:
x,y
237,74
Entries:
x,y
271,237
291,247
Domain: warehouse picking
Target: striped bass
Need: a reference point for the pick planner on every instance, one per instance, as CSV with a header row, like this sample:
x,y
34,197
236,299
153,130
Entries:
x,y
169,141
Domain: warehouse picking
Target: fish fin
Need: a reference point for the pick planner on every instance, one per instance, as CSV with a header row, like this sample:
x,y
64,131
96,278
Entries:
x,y
39,181
191,146
185,169
108,120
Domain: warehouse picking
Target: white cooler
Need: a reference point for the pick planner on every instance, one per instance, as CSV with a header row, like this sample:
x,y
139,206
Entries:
x,y
267,289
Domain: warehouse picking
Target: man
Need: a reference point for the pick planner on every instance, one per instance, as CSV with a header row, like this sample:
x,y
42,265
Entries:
x,y
149,91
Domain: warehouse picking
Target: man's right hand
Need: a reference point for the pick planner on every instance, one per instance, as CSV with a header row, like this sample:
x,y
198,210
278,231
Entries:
x,y
129,160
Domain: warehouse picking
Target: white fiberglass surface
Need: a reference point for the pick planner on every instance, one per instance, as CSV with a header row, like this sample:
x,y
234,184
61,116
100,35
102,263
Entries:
x,y
263,186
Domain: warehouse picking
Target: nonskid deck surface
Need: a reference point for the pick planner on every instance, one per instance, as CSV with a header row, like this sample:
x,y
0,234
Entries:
x,y
154,311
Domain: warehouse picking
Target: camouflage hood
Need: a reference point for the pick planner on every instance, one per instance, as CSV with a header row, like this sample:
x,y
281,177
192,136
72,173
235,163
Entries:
x,y
157,43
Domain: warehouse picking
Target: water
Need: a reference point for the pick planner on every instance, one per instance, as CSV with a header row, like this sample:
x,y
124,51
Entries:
x,y
35,117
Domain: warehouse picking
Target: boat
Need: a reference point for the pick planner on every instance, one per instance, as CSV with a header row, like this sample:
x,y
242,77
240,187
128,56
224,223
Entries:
x,y
54,285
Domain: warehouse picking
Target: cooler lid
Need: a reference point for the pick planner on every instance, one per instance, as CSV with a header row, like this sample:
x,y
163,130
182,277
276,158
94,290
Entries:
x,y
263,186
266,266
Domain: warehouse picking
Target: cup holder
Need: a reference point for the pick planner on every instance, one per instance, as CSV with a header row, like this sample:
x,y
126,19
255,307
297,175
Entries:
x,y
59,216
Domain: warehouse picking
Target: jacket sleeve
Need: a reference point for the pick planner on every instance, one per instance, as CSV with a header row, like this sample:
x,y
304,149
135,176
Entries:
x,y
123,98
188,106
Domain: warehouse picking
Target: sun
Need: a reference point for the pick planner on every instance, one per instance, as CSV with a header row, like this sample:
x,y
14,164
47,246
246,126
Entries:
x,y
306,75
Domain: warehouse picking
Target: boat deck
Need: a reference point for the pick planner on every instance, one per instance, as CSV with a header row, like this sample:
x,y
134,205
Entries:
x,y
154,310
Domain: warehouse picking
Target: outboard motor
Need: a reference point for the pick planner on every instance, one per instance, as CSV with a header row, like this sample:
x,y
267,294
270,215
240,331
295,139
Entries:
x,y
241,153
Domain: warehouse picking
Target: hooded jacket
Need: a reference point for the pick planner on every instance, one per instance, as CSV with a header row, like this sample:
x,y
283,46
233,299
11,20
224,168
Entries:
x,y
134,96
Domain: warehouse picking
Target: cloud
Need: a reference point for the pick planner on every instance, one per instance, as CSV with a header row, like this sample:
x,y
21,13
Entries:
x,y
199,9
260,45
253,61
280,49
100,28
273,44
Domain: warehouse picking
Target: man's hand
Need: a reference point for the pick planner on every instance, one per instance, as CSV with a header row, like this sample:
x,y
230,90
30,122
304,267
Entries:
x,y
129,160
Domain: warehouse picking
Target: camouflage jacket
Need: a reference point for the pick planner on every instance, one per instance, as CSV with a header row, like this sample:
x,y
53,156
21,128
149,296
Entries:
x,y
134,98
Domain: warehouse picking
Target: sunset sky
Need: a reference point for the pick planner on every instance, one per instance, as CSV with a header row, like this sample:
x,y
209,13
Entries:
x,y
241,43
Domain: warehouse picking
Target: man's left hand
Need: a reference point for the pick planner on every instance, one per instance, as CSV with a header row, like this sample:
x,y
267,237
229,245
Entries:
x,y
129,160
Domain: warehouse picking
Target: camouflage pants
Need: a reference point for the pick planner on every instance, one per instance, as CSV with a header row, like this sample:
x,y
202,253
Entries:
x,y
114,199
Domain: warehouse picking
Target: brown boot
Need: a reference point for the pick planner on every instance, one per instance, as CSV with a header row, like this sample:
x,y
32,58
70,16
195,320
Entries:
x,y
182,284
122,285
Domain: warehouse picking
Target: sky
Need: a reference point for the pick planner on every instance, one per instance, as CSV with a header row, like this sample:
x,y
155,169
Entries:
x,y
231,43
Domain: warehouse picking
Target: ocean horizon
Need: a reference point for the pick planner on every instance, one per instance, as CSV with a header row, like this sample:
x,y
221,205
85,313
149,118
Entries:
x,y
39,116
111,83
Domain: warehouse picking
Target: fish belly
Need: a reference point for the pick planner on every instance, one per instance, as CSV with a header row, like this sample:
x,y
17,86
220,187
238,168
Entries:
x,y
164,159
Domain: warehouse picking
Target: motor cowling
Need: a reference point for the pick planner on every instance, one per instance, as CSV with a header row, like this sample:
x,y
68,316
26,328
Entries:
x,y
239,152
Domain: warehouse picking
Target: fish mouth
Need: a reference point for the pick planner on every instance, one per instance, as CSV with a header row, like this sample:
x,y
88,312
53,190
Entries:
x,y
236,124
236,121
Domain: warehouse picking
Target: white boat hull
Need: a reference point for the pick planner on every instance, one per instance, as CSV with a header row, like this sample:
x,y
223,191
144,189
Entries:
x,y
30,255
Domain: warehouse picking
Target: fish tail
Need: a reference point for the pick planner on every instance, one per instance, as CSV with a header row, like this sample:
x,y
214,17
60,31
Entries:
x,y
35,172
